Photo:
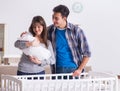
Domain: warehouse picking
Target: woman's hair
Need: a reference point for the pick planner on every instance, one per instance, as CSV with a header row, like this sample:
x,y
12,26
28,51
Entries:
x,y
40,20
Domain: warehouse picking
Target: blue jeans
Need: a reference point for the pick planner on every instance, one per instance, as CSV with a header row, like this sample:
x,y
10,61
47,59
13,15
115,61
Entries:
x,y
60,70
24,73
19,73
65,69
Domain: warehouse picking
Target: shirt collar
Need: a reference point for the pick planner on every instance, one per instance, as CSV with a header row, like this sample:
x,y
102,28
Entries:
x,y
68,27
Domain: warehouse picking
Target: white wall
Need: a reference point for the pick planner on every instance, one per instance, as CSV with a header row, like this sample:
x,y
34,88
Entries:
x,y
99,19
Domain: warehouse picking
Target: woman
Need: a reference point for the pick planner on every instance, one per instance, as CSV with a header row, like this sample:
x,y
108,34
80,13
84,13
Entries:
x,y
30,65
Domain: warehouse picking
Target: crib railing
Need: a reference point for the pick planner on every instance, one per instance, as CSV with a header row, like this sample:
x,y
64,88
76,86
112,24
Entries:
x,y
92,81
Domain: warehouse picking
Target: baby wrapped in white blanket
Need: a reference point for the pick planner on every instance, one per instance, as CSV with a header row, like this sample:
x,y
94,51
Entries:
x,y
36,51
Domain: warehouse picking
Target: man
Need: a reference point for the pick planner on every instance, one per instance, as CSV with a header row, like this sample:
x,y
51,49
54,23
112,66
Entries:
x,y
69,43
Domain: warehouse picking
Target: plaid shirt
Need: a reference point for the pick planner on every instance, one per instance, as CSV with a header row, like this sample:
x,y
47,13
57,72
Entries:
x,y
76,41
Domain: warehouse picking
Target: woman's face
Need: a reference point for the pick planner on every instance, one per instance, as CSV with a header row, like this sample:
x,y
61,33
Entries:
x,y
37,28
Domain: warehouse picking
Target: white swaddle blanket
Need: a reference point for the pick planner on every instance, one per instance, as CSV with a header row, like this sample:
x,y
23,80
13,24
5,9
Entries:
x,y
38,51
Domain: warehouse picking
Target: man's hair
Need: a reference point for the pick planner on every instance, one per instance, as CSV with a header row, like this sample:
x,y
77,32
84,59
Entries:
x,y
62,9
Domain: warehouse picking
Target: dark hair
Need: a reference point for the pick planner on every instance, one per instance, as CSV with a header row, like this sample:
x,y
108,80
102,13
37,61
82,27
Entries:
x,y
40,20
62,9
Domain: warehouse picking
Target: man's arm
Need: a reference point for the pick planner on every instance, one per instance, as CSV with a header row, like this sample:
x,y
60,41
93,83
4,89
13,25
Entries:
x,y
81,67
85,52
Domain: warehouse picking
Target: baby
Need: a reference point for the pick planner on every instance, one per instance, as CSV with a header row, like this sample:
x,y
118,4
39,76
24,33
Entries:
x,y
36,51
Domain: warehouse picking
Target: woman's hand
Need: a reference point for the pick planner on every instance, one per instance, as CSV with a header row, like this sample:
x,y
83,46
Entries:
x,y
35,60
35,42
28,44
23,33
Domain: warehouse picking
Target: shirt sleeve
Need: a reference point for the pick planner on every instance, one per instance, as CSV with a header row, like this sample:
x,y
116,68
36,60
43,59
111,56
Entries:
x,y
20,44
51,60
85,50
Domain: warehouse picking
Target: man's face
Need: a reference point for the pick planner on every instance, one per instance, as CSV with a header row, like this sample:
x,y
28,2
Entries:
x,y
58,19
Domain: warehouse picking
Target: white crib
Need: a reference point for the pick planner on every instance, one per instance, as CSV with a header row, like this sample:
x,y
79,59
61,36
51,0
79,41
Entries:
x,y
92,81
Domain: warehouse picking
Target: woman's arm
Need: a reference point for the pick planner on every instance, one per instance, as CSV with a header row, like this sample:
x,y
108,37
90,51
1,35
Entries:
x,y
21,44
51,60
44,62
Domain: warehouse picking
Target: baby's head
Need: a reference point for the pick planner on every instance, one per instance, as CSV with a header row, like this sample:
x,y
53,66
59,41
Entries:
x,y
27,37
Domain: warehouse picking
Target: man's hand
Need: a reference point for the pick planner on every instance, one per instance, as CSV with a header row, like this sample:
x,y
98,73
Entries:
x,y
81,67
77,72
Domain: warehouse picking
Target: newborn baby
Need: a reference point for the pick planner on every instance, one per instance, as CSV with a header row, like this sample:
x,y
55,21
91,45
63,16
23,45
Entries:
x,y
38,51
